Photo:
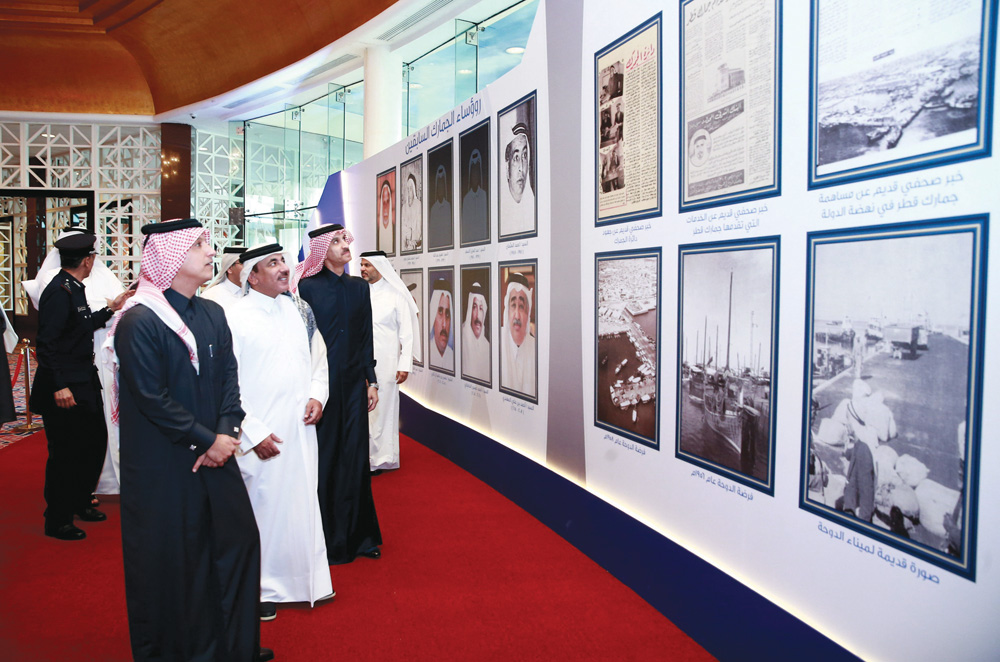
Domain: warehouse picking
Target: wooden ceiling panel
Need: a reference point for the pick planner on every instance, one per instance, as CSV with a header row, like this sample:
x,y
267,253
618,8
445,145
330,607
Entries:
x,y
123,55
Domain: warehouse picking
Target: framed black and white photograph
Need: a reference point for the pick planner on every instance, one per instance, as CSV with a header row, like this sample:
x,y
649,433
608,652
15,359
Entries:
x,y
474,226
628,113
440,213
898,85
727,348
627,333
440,311
385,216
477,328
730,102
519,329
414,281
517,201
411,206
893,384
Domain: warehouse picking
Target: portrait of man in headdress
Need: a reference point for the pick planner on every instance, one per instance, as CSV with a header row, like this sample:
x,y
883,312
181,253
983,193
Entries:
x,y
517,207
474,219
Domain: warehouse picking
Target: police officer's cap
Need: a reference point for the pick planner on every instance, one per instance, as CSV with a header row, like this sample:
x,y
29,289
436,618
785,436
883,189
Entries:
x,y
77,244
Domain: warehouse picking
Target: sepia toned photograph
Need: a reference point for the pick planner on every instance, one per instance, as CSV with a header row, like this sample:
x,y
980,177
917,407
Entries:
x,y
893,360
518,329
411,206
477,328
440,214
626,374
727,346
385,219
474,155
908,95
440,310
517,207
414,281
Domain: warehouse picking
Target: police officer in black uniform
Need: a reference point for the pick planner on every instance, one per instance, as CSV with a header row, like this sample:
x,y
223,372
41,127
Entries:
x,y
66,391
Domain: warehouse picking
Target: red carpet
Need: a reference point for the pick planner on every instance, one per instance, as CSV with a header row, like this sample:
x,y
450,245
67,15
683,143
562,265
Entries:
x,y
465,575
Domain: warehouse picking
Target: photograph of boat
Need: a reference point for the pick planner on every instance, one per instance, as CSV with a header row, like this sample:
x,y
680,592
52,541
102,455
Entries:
x,y
627,308
892,409
728,297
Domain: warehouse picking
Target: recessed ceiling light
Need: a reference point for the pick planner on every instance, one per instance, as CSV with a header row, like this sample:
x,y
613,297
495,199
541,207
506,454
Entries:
x,y
465,71
415,86
515,50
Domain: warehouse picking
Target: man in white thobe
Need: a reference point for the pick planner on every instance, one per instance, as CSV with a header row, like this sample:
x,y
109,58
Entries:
x,y
283,389
475,345
411,216
440,353
226,289
517,198
394,329
517,368
101,285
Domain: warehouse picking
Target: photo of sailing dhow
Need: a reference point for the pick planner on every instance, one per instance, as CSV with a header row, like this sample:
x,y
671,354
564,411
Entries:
x,y
727,353
893,385
626,397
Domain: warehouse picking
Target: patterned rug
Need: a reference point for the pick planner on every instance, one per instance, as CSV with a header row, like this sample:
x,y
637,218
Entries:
x,y
7,434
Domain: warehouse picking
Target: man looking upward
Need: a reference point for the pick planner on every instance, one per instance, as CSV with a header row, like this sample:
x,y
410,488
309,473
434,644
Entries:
x,y
342,304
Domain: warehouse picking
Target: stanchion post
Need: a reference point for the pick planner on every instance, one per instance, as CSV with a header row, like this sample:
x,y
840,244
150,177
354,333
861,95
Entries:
x,y
25,347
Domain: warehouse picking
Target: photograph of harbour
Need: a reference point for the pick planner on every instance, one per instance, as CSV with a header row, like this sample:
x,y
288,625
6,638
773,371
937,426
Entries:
x,y
893,353
627,359
727,337
898,84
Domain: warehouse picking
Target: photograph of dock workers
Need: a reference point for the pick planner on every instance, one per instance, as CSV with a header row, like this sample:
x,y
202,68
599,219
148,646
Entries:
x,y
893,408
440,214
474,215
385,217
516,182
477,325
628,333
518,330
411,207
727,346
414,281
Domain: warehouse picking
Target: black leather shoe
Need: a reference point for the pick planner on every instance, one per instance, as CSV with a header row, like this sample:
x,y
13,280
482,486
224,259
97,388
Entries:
x,y
91,515
265,654
373,553
268,611
65,532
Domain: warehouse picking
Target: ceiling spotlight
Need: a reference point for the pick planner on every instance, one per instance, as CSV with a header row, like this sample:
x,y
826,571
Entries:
x,y
515,50
465,71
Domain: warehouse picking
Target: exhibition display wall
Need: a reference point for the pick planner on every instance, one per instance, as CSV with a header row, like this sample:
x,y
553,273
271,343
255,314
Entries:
x,y
784,324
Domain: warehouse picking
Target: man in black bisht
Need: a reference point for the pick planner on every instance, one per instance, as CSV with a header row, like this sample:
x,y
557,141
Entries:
x,y
342,304
189,538
67,392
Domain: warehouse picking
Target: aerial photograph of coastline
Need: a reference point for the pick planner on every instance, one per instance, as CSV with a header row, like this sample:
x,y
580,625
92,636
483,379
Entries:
x,y
627,354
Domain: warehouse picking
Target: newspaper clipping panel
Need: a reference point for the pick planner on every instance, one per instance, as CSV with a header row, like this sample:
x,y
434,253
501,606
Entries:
x,y
728,98
628,113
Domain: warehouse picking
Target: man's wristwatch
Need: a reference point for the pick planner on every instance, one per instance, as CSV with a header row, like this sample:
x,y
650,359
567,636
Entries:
x,y
374,386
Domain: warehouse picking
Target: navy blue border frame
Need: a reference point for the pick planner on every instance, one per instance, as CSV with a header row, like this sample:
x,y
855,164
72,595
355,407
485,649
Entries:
x,y
488,163
395,219
980,149
773,242
978,226
533,95
417,270
450,146
430,318
489,290
423,212
538,345
632,254
751,194
657,22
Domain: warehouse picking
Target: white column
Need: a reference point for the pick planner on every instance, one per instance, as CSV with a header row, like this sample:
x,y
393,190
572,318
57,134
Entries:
x,y
383,99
